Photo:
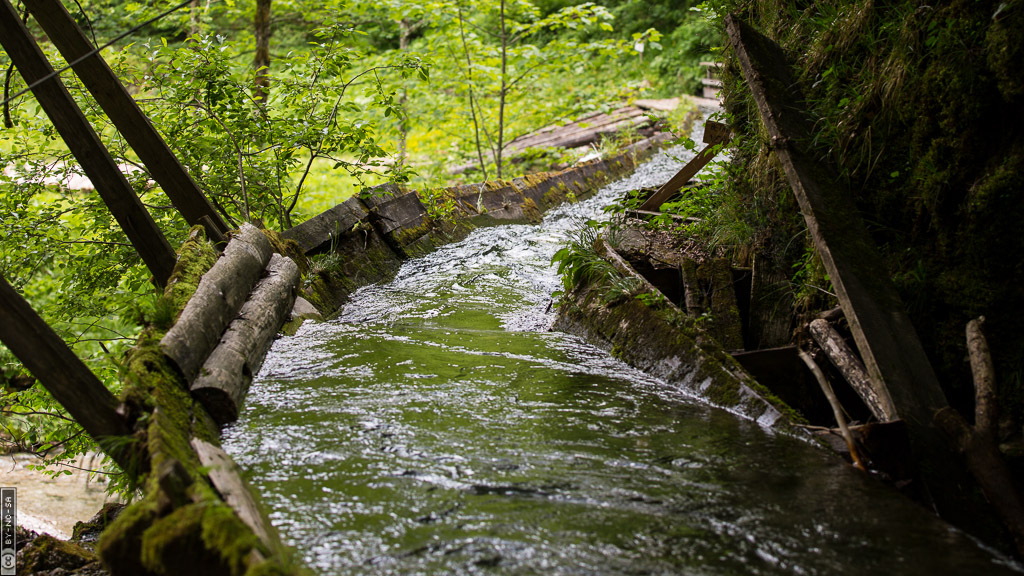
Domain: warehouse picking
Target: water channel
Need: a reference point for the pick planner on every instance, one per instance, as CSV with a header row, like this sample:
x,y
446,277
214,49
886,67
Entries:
x,y
437,427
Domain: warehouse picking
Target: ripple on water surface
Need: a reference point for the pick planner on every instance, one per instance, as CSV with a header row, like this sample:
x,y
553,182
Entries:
x,y
436,427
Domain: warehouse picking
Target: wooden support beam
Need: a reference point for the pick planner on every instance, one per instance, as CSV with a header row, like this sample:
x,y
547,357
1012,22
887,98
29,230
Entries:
x,y
60,371
715,133
226,477
884,335
85,144
126,115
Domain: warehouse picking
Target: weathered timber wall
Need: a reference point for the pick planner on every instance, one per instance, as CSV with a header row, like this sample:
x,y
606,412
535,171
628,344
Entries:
x,y
658,338
370,235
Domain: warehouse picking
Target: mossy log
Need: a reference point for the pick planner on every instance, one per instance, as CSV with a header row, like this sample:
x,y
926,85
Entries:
x,y
875,395
217,300
225,376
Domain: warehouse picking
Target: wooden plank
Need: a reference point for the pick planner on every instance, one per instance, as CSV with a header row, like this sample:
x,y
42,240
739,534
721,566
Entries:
x,y
59,370
715,133
225,475
133,124
84,143
605,250
884,335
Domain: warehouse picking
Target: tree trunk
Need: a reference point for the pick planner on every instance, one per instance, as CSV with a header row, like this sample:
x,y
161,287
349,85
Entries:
x,y
224,380
504,91
221,293
261,62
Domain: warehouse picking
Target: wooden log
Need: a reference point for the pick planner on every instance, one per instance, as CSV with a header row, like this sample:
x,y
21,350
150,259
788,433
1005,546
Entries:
x,y
876,398
126,115
837,409
983,370
85,144
61,372
219,296
713,136
891,350
226,375
226,477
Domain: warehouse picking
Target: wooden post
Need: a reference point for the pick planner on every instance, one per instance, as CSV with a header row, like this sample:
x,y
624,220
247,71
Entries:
x,y
884,335
57,368
133,124
715,133
83,142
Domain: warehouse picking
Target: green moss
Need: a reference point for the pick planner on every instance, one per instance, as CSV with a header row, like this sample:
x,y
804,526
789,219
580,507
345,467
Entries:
x,y
120,545
225,533
529,208
195,257
289,248
47,553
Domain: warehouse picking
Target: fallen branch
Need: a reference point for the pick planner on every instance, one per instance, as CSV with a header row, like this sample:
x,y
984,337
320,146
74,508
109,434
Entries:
x,y
978,444
837,409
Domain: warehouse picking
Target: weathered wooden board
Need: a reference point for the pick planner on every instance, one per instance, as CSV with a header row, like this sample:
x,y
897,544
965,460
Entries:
x,y
715,133
219,296
226,477
582,131
136,128
86,146
884,335
59,370
316,235
224,380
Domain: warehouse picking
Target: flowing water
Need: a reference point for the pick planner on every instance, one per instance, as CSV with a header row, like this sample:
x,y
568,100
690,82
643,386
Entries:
x,y
437,427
